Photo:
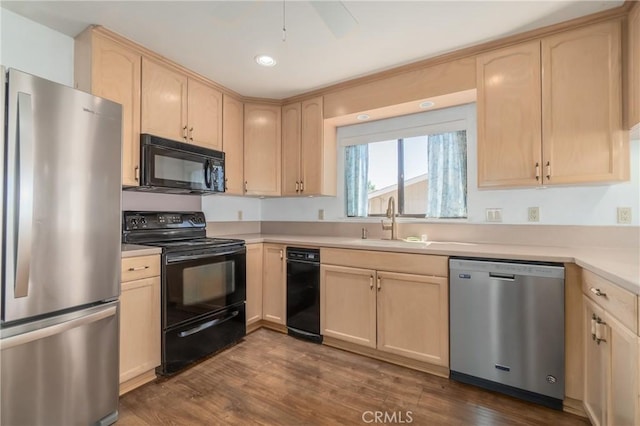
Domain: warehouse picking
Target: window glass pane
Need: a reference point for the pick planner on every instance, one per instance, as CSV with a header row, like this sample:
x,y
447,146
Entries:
x,y
415,175
382,181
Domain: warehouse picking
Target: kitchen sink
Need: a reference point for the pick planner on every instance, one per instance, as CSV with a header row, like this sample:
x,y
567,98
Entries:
x,y
373,242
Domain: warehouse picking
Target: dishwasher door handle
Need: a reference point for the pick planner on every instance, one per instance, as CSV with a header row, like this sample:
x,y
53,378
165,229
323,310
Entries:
x,y
505,277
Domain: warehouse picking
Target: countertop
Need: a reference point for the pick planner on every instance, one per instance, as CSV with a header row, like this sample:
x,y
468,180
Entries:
x,y
620,266
134,250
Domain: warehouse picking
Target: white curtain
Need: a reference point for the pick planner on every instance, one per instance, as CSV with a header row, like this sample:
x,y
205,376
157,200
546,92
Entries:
x,y
447,174
356,175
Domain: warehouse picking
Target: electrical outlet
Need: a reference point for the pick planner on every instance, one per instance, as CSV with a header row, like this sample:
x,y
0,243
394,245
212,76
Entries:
x,y
533,214
239,214
493,215
624,215
320,214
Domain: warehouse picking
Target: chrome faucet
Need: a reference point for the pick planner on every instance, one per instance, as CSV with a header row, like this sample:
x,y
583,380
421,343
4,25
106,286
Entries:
x,y
391,214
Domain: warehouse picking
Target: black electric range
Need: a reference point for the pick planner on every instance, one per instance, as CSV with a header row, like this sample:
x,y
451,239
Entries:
x,y
203,284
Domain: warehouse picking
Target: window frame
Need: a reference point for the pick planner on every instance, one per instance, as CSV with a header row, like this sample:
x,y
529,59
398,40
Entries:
x,y
450,119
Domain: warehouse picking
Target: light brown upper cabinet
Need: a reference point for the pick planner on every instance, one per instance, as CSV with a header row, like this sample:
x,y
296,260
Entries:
x,y
233,145
555,118
633,66
111,70
180,108
262,149
303,150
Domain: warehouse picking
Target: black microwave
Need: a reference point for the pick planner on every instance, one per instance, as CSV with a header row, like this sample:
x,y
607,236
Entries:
x,y
179,168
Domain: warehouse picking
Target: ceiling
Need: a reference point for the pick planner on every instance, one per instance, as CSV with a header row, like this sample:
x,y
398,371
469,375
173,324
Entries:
x,y
326,42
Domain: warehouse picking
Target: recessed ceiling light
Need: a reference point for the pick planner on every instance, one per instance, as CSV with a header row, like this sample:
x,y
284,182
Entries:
x,y
265,60
426,104
363,117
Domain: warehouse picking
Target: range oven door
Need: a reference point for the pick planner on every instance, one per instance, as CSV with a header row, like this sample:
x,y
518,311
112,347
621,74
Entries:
x,y
199,284
170,164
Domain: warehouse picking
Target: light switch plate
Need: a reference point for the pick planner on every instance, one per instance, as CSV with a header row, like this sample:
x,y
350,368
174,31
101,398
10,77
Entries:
x,y
239,214
533,214
493,215
320,214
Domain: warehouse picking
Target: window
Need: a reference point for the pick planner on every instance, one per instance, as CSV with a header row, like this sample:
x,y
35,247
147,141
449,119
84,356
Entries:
x,y
425,173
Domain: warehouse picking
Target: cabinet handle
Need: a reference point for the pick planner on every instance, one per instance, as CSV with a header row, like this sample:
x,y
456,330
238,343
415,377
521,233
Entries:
x,y
297,186
136,173
245,186
184,133
301,186
379,286
191,134
371,282
548,170
593,327
226,180
601,331
537,171
597,292
280,254
138,268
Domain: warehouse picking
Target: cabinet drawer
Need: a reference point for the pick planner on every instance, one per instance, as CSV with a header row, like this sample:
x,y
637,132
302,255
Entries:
x,y
135,268
421,264
615,300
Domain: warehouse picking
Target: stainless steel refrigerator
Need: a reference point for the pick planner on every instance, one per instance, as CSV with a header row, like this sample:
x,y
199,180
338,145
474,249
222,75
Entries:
x,y
60,254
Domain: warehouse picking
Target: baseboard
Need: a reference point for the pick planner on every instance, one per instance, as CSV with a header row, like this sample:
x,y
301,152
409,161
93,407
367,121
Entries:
x,y
273,326
574,406
436,370
137,381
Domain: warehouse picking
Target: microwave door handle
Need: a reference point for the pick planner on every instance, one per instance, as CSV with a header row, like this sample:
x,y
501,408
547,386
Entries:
x,y
207,173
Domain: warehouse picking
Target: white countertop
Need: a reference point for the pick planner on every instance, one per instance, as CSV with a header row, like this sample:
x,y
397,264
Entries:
x,y
620,266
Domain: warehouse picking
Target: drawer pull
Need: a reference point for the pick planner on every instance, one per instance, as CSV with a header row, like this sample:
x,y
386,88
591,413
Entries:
x,y
597,292
138,268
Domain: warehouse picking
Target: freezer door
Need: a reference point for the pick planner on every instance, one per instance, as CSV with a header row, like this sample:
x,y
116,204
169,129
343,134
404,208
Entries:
x,y
62,209
65,373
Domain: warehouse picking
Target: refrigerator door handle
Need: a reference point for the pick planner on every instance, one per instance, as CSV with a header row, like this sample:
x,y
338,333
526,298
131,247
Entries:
x,y
42,333
24,186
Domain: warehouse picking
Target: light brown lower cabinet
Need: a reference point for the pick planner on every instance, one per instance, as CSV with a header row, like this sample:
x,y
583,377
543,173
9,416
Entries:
x,y
274,306
398,313
612,368
139,322
254,283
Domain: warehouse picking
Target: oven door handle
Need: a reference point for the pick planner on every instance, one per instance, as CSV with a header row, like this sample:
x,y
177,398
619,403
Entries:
x,y
207,324
171,259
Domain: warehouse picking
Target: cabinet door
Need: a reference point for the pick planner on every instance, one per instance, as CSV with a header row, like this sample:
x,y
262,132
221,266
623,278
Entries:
x,y
204,115
274,293
291,149
254,283
582,132
413,316
164,101
348,304
509,116
595,362
233,144
623,391
116,76
262,148
139,327
312,155
633,67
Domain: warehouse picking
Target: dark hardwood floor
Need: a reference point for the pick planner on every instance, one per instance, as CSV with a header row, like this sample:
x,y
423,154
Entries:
x,y
273,379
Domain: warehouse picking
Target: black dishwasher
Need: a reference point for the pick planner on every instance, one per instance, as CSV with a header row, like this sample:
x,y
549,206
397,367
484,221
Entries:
x,y
303,293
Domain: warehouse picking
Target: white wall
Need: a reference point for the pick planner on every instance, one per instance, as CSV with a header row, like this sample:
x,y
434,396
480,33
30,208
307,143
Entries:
x,y
35,49
577,205
225,208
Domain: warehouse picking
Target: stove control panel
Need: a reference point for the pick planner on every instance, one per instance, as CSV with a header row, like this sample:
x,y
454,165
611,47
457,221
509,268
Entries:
x,y
135,220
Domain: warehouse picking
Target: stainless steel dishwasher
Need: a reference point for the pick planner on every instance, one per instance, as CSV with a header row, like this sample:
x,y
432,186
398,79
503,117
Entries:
x,y
507,327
